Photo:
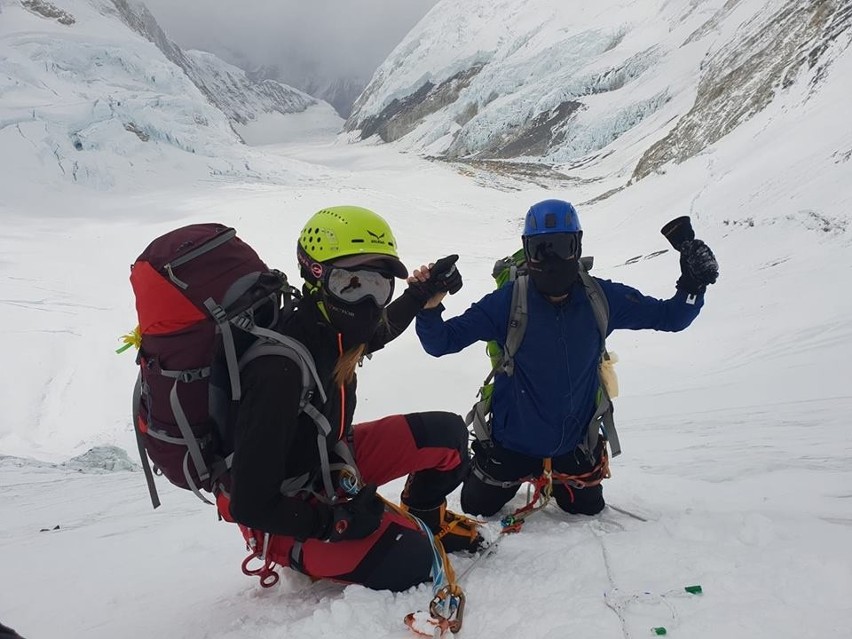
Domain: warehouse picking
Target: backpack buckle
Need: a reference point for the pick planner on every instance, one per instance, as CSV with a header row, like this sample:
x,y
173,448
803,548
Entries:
x,y
193,375
216,311
243,322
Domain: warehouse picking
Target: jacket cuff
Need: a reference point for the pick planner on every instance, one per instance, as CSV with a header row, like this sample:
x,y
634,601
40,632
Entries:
x,y
323,522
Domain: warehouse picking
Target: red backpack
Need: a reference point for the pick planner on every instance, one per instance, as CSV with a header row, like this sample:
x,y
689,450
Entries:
x,y
207,304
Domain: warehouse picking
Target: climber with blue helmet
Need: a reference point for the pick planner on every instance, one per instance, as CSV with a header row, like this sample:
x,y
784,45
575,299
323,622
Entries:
x,y
548,409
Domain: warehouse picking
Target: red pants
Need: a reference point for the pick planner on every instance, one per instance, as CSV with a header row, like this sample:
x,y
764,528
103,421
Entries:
x,y
432,447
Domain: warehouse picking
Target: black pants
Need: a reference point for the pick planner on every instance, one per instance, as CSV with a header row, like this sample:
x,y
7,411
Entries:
x,y
479,497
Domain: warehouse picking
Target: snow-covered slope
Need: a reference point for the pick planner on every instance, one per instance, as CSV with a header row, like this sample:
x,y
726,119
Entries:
x,y
561,80
85,98
735,431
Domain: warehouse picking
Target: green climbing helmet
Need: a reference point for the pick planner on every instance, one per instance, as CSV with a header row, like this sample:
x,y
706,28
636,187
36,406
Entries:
x,y
347,236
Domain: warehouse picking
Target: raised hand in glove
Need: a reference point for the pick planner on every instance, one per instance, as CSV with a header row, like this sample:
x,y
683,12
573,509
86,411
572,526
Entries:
x,y
698,267
430,284
358,517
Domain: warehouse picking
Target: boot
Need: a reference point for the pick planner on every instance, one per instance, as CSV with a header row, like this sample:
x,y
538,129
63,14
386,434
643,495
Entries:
x,y
456,532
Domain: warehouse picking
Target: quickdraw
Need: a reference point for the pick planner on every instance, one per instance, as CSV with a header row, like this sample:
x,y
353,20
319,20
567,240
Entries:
x,y
446,613
446,610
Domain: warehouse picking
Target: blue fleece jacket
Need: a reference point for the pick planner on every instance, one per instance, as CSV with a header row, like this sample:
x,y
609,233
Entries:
x,y
543,410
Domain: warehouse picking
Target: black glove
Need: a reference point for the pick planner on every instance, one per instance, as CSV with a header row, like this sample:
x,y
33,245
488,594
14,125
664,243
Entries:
x,y
444,277
698,267
358,517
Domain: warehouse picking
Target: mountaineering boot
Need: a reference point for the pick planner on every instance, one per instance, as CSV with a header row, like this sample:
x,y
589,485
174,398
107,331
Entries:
x,y
456,532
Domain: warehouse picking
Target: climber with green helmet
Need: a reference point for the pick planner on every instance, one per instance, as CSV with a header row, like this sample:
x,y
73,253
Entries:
x,y
349,260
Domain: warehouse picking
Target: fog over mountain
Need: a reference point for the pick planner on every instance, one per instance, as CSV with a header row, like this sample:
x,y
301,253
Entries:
x,y
327,48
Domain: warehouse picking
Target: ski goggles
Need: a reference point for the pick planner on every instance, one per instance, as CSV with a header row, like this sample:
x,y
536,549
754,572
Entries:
x,y
564,246
356,285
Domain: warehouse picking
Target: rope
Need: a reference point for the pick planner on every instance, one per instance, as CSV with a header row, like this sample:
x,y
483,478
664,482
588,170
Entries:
x,y
542,489
447,605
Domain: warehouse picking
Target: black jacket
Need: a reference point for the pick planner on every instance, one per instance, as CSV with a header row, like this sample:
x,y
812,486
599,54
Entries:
x,y
274,442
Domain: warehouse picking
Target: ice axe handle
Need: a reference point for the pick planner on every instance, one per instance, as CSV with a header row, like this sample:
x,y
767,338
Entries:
x,y
678,231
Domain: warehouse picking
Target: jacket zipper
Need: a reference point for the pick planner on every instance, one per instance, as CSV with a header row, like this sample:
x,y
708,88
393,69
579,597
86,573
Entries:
x,y
342,392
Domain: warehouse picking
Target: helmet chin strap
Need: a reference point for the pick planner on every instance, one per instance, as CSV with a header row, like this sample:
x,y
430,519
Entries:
x,y
315,291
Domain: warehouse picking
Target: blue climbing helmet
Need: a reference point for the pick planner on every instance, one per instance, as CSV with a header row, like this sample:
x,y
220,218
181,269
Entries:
x,y
557,219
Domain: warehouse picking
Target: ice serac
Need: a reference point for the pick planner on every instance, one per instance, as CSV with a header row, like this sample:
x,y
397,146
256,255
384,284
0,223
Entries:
x,y
558,81
93,92
227,87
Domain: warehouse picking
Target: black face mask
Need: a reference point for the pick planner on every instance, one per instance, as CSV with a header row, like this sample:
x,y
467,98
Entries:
x,y
356,322
554,277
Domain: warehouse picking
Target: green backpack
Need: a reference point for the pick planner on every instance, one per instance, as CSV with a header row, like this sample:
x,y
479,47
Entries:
x,y
512,270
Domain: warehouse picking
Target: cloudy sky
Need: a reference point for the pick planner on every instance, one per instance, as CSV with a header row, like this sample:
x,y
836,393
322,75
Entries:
x,y
305,39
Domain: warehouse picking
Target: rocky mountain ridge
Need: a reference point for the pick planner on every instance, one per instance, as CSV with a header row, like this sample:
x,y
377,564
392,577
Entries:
x,y
559,82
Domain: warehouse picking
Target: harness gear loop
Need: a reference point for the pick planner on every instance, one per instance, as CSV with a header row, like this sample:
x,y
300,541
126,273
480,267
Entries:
x,y
542,487
594,477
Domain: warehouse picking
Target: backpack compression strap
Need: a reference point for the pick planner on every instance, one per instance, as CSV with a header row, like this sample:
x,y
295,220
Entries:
x,y
146,467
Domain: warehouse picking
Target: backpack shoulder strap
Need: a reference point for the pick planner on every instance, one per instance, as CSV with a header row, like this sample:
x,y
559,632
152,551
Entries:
x,y
604,411
600,305
518,317
479,417
273,343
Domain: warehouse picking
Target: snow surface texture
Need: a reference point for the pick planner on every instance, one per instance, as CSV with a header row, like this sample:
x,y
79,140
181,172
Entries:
x,y
560,81
735,432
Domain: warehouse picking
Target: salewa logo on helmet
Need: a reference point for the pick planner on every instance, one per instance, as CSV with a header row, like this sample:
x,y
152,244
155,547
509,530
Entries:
x,y
377,238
